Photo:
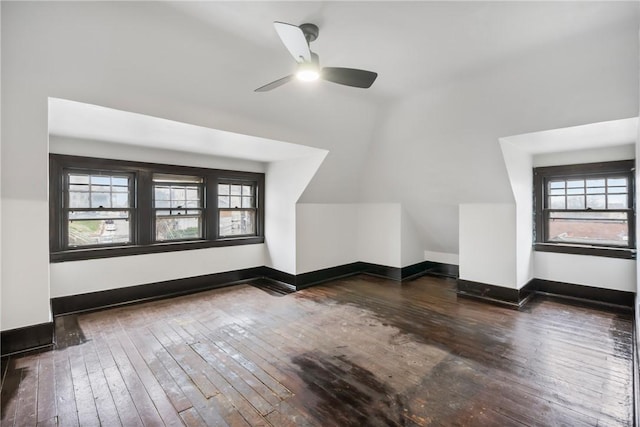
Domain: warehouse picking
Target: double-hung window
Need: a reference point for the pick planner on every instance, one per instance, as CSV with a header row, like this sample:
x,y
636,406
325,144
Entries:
x,y
98,208
178,207
236,209
586,209
103,208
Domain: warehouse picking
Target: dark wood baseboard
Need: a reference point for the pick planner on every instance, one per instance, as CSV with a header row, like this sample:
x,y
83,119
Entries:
x,y
517,298
115,297
170,288
509,297
587,293
312,278
29,338
39,336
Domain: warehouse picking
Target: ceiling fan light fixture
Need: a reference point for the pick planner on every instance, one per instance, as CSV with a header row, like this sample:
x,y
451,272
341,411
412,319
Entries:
x,y
308,75
309,71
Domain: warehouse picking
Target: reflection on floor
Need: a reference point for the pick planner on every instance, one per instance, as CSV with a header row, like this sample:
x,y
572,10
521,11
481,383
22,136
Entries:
x,y
361,351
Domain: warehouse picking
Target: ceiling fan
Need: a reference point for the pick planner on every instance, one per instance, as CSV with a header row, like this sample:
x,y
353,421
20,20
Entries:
x,y
296,40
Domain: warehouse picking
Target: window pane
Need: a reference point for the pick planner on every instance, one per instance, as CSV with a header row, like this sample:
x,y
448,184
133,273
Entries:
x,y
557,192
89,228
120,181
178,194
616,181
96,191
100,200
236,190
556,184
187,225
596,202
223,201
618,190
575,183
237,223
79,188
120,200
119,189
575,202
247,202
556,202
162,193
100,188
78,179
617,201
596,190
247,190
236,202
223,189
595,183
600,228
100,180
575,190
79,200
193,193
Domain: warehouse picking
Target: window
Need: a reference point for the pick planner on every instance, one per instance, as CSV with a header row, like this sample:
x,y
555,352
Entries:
x,y
586,209
97,208
177,202
236,209
103,208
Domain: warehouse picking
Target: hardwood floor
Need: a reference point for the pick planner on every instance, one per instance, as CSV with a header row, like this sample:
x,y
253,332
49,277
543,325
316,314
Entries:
x,y
361,351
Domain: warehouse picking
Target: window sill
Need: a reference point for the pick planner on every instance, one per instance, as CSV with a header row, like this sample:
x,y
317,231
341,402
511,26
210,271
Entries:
x,y
624,253
118,251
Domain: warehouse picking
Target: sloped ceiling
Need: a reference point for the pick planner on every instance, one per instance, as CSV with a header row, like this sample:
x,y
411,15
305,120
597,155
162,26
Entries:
x,y
453,78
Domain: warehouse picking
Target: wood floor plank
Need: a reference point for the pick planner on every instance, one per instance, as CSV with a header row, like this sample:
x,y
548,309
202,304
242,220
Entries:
x,y
46,387
144,405
155,391
27,411
9,395
65,397
147,346
352,352
191,418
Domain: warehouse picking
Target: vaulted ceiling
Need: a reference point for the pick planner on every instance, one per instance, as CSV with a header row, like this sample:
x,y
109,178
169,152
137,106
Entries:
x,y
453,78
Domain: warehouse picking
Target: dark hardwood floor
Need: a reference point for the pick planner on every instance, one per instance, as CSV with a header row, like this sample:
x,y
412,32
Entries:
x,y
361,351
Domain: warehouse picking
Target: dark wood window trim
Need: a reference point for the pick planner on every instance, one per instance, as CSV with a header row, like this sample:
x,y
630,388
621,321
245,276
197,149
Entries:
x,y
542,175
143,237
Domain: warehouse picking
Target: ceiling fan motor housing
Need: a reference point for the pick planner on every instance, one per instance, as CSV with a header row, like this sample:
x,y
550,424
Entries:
x,y
310,31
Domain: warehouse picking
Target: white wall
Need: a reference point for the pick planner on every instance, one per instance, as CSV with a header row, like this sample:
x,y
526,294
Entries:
x,y
437,148
594,155
326,235
601,272
519,164
77,277
518,152
379,234
411,244
285,182
107,150
488,244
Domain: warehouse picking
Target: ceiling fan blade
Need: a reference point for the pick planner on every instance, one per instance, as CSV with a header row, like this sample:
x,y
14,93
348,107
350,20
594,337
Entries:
x,y
349,76
294,40
274,84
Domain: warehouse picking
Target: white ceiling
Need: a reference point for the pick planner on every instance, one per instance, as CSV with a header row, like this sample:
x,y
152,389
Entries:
x,y
233,48
85,121
411,45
